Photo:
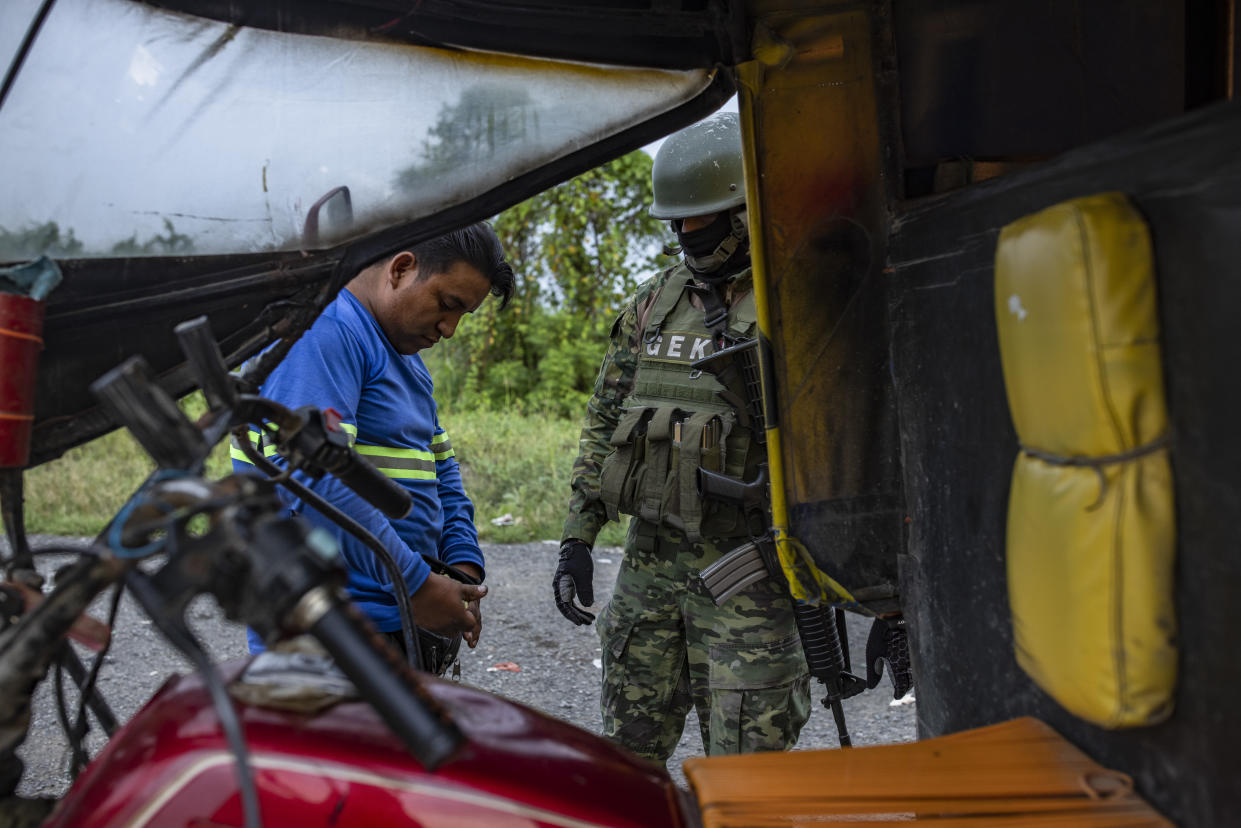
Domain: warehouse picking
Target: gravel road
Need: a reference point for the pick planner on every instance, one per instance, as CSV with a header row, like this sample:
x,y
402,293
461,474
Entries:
x,y
558,663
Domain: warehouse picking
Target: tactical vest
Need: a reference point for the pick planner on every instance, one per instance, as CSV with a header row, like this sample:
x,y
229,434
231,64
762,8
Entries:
x,y
675,421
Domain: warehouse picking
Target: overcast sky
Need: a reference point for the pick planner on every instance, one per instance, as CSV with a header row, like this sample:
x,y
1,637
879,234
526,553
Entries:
x,y
174,128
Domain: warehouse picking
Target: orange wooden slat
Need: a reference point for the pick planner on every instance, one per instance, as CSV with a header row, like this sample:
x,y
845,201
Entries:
x,y
1017,773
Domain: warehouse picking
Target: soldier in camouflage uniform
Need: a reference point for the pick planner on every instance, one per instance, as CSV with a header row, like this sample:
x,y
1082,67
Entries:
x,y
652,422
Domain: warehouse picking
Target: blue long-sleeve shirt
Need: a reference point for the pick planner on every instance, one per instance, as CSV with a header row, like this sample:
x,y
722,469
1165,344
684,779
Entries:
x,y
385,402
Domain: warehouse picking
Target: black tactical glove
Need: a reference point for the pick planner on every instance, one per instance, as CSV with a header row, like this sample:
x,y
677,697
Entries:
x,y
574,576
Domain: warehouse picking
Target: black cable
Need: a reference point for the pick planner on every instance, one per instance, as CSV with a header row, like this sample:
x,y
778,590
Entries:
x,y
69,658
62,713
181,638
98,705
80,725
27,42
299,319
413,649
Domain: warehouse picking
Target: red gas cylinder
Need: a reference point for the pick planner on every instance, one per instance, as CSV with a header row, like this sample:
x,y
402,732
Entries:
x,y
21,329
171,766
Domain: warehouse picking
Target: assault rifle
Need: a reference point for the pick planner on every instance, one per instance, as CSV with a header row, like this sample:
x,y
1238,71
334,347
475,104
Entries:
x,y
821,628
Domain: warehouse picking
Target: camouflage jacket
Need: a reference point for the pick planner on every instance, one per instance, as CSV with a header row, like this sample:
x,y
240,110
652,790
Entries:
x,y
614,384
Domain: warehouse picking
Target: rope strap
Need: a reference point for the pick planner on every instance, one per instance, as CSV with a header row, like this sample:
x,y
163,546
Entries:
x,y
1098,462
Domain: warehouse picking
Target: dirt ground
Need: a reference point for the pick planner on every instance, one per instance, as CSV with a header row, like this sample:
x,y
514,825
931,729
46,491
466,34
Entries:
x,y
559,664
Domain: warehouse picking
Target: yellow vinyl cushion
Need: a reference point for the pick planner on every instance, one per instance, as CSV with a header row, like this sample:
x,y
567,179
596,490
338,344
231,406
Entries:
x,y
1091,531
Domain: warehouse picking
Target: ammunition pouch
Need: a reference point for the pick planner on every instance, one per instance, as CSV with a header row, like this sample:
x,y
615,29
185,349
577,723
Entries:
x,y
652,470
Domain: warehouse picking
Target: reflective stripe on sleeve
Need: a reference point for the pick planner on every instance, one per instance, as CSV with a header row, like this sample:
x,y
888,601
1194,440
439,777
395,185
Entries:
x,y
269,444
257,438
442,447
400,463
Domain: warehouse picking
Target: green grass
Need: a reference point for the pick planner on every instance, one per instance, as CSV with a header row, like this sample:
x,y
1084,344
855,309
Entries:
x,y
512,464
79,493
519,465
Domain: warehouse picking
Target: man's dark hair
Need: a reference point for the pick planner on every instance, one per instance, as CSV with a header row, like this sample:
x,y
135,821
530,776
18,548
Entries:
x,y
476,245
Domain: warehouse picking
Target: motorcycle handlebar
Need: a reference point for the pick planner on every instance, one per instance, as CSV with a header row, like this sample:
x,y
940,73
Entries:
x,y
382,679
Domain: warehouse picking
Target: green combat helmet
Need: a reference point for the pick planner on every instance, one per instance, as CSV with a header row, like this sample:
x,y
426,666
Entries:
x,y
697,171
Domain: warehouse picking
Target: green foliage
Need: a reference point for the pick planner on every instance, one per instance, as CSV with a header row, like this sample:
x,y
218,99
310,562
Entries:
x,y
42,239
79,493
171,243
48,239
518,465
487,118
578,250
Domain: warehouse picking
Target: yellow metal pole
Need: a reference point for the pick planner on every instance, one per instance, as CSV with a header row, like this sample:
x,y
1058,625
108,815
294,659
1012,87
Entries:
x,y
795,560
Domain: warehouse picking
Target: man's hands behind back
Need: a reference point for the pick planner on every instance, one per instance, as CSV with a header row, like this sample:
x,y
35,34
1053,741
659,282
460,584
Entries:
x,y
471,637
448,607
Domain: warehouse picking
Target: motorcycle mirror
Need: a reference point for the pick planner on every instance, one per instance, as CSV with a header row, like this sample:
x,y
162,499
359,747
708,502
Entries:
x,y
339,216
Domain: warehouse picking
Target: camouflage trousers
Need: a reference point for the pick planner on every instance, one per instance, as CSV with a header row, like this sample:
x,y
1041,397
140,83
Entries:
x,y
666,645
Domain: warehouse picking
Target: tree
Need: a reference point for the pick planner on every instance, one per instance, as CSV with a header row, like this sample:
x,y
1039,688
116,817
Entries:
x,y
167,245
579,249
487,119
48,240
42,239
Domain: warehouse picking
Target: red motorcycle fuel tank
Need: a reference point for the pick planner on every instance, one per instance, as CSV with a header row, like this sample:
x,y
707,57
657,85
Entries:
x,y
171,766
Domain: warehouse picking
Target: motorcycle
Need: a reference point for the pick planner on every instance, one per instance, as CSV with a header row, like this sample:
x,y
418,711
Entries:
x,y
352,735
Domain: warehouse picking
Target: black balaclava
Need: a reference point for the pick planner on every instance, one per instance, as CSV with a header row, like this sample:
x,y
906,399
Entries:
x,y
719,250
